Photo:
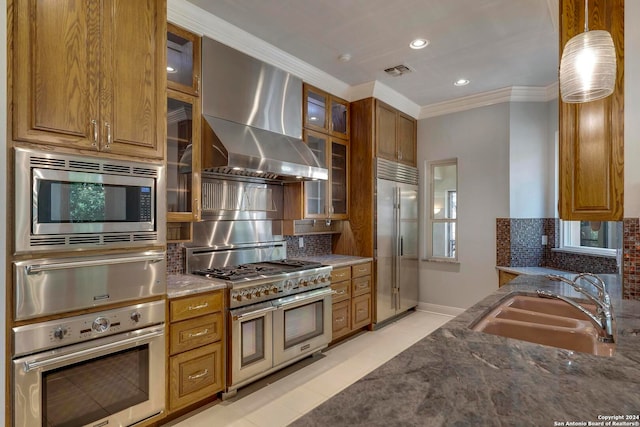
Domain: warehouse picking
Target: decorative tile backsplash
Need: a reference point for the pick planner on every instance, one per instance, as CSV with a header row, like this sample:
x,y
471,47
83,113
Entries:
x,y
314,245
631,258
175,258
519,244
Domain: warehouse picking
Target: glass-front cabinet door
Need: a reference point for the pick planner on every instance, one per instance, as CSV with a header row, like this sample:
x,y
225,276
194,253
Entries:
x,y
328,199
183,60
316,191
325,113
339,179
183,157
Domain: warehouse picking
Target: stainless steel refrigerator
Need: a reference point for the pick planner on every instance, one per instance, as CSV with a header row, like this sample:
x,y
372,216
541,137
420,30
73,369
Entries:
x,y
396,242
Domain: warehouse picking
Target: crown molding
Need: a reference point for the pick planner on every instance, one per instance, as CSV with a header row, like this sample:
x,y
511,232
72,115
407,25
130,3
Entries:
x,y
199,21
507,94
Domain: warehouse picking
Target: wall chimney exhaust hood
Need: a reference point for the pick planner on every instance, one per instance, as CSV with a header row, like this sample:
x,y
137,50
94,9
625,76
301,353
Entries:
x,y
252,118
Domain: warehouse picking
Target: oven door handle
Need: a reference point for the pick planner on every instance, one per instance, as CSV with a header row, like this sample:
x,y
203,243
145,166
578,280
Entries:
x,y
81,354
38,268
253,313
313,295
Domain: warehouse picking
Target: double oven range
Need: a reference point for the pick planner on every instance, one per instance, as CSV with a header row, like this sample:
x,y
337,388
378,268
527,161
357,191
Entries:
x,y
279,310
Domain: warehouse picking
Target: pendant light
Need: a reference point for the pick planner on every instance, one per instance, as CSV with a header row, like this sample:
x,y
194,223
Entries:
x,y
588,65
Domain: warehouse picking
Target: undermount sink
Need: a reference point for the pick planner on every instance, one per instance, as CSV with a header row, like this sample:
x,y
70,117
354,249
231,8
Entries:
x,y
545,321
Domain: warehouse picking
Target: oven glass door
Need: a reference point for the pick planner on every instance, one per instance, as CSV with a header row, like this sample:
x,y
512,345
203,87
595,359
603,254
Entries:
x,y
116,380
302,324
88,391
251,342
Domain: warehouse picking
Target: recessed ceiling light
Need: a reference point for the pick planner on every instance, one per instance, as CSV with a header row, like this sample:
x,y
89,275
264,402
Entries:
x,y
461,82
170,69
419,43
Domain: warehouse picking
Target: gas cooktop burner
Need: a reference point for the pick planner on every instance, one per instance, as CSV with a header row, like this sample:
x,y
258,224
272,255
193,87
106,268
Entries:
x,y
247,271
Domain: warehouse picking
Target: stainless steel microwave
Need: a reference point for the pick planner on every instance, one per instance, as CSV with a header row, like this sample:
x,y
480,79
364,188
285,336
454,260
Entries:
x,y
67,202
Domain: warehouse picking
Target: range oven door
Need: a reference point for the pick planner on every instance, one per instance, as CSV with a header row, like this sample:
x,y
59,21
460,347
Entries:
x,y
117,380
301,325
251,342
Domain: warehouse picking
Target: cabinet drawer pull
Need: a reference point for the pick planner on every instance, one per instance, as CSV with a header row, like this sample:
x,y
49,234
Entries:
x,y
198,376
363,285
94,124
361,310
198,307
339,319
341,292
108,126
199,334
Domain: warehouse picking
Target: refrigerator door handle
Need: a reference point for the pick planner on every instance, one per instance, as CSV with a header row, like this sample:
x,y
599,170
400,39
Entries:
x,y
398,248
401,246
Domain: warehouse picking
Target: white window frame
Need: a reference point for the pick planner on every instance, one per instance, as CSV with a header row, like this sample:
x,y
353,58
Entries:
x,y
570,241
431,207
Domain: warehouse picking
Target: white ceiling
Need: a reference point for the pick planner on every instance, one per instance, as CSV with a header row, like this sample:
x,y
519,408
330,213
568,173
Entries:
x,y
493,43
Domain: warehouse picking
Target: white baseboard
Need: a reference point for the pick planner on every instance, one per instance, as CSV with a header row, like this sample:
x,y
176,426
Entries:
x,y
440,309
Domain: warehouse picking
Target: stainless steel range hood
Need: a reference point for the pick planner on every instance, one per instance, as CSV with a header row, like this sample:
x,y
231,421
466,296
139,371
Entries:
x,y
252,118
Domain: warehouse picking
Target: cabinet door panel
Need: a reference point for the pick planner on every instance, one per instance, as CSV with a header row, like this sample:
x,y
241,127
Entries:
x,y
386,132
407,140
55,62
133,77
339,180
592,134
360,311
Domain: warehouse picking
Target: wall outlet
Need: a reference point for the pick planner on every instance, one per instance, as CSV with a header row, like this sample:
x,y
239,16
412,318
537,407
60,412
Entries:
x,y
301,242
544,240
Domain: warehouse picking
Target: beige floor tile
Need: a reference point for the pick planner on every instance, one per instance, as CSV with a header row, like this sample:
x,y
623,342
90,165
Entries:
x,y
279,401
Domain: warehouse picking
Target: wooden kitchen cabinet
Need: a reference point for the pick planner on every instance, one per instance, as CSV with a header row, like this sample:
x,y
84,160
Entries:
x,y
183,60
325,113
90,75
196,349
395,135
592,134
351,309
505,277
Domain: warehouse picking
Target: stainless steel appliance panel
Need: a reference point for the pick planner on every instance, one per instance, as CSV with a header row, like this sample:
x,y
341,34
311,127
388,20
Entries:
x,y
33,235
29,375
242,89
200,259
408,254
301,325
225,234
238,200
396,239
386,242
251,330
49,286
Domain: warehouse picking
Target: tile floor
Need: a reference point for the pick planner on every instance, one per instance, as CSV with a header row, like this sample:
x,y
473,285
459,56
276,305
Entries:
x,y
280,399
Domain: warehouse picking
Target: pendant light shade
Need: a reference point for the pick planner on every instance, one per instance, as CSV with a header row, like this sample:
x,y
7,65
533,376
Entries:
x,y
588,65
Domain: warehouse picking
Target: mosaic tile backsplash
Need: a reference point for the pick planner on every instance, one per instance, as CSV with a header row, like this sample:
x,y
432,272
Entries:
x,y
631,258
519,244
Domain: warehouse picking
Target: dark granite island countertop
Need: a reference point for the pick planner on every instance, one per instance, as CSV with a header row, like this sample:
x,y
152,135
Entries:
x,y
460,377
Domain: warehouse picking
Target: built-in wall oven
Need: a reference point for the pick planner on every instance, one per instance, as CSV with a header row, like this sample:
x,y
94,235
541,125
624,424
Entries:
x,y
100,369
70,202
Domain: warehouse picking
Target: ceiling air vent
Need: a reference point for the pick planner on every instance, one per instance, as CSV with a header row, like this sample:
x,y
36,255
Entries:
x,y
398,70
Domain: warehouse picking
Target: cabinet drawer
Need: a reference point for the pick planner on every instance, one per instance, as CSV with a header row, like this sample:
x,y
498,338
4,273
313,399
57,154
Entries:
x,y
360,270
360,311
195,375
192,333
340,274
340,319
196,306
360,285
343,291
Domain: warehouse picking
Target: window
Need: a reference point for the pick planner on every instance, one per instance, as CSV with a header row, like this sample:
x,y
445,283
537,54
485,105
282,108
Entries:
x,y
591,237
443,210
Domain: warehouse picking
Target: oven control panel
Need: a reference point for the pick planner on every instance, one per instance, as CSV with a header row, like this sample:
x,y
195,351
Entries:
x,y
297,282
55,333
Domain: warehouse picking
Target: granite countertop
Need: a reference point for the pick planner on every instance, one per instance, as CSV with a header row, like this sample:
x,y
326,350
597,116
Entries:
x,y
457,376
337,260
182,285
